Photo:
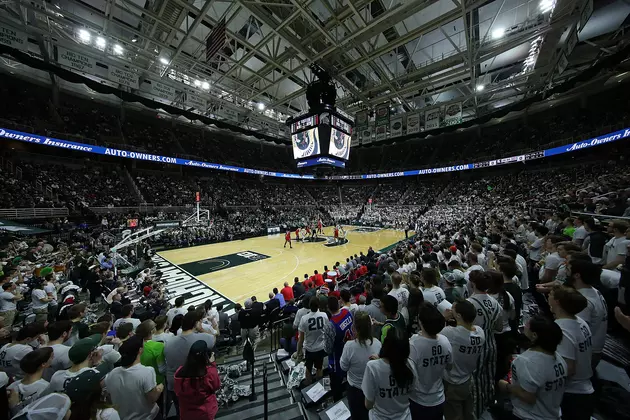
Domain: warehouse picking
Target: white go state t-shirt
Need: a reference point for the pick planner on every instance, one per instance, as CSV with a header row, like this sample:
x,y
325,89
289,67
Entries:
x,y
596,316
577,345
312,325
544,375
391,401
467,346
433,295
431,356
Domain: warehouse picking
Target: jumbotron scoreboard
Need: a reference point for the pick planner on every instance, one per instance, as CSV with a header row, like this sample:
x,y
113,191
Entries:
x,y
321,138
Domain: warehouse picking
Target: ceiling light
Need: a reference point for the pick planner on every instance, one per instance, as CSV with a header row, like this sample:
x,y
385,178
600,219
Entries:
x,y
498,33
84,35
261,106
164,61
480,88
100,42
134,39
197,83
547,5
205,85
118,50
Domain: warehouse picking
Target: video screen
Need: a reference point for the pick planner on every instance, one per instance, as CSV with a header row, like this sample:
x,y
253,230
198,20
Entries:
x,y
339,144
305,143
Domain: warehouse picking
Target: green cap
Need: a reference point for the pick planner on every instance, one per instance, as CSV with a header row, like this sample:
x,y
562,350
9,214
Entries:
x,y
83,348
45,271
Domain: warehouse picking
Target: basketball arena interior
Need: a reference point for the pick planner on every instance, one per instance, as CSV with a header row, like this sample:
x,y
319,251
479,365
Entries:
x,y
315,209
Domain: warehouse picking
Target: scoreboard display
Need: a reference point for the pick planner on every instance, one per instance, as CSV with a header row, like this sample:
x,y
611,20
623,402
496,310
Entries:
x,y
325,134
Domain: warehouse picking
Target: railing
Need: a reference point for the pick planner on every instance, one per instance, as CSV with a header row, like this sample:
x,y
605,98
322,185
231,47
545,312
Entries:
x,y
600,216
265,393
139,209
33,213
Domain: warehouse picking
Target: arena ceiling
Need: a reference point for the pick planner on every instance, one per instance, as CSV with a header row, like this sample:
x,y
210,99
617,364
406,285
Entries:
x,y
412,54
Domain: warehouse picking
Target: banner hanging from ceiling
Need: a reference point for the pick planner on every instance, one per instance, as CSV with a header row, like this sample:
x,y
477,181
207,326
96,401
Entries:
x,y
432,119
453,114
413,123
75,60
123,77
13,38
381,121
361,120
395,128
366,135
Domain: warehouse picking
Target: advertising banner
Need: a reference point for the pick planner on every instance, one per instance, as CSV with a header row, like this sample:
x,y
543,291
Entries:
x,y
13,38
123,77
102,150
432,119
413,123
75,60
192,100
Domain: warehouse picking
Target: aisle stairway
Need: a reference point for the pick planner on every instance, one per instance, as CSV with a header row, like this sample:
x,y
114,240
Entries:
x,y
280,401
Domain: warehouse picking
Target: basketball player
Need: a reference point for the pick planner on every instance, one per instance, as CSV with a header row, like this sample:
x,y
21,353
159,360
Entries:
x,y
319,226
313,232
297,234
336,234
308,231
287,239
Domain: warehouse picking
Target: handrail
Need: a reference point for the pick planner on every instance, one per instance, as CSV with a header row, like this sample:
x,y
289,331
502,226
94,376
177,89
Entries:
x,y
33,213
601,216
265,393
144,208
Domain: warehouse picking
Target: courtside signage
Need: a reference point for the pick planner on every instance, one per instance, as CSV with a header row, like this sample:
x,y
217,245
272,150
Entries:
x,y
70,145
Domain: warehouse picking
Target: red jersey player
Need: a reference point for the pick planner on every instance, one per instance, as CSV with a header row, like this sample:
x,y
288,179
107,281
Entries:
x,y
319,226
287,239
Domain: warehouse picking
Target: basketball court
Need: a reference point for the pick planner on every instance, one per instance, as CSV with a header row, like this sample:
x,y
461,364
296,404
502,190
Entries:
x,y
253,267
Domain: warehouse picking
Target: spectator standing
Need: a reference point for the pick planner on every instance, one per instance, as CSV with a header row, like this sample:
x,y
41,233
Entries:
x,y
11,354
8,298
161,335
298,288
177,310
249,321
342,322
393,319
152,351
85,392
489,319
196,384
577,351
356,354
133,387
311,339
400,293
431,353
539,375
31,386
58,334
287,292
467,341
388,382
176,350
616,248
127,313
582,275
40,300
374,310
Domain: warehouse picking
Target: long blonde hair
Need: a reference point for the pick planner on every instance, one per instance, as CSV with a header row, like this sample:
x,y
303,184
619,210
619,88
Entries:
x,y
363,328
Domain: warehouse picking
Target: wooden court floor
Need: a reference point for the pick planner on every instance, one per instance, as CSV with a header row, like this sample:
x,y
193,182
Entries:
x,y
258,278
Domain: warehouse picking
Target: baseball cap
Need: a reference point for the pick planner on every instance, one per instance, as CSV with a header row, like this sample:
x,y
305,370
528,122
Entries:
x,y
82,386
129,350
51,407
199,347
82,349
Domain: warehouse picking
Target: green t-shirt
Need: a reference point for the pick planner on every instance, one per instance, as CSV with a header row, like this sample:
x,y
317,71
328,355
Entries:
x,y
568,231
153,356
